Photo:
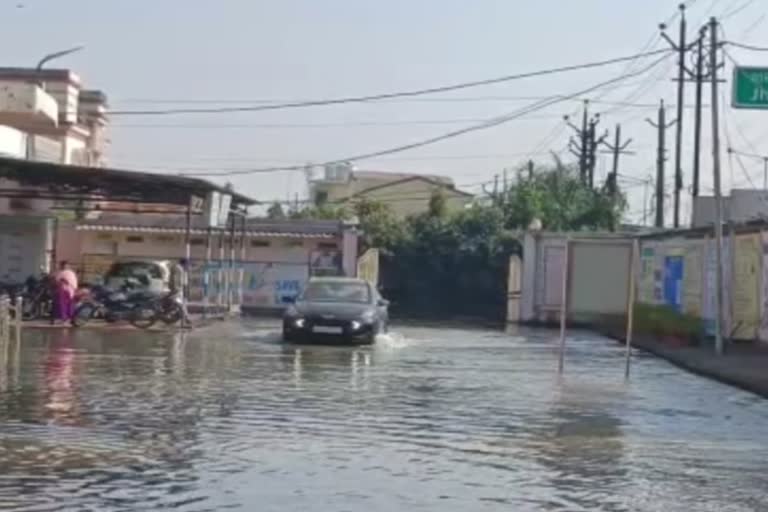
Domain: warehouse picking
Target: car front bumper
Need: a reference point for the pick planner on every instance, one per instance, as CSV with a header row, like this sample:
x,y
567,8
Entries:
x,y
316,329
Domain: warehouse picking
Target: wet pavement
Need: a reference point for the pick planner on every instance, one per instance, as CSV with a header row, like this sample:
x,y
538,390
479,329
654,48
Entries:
x,y
427,419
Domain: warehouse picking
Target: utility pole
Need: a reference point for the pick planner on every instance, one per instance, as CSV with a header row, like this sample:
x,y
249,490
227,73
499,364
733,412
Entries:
x,y
585,144
719,342
584,135
594,142
661,125
645,199
765,173
617,149
698,112
682,49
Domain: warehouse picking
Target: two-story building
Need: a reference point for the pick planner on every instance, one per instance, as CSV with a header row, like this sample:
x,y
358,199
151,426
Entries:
x,y
405,194
47,116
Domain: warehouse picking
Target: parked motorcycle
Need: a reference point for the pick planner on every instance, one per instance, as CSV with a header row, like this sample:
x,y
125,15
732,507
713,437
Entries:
x,y
37,294
137,306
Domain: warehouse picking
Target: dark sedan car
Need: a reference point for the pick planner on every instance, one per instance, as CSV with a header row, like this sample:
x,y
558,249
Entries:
x,y
340,308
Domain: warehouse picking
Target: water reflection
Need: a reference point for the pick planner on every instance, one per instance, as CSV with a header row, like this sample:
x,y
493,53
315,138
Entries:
x,y
447,420
60,401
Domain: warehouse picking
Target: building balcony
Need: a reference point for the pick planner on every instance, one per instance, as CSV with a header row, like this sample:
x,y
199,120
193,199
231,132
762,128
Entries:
x,y
26,105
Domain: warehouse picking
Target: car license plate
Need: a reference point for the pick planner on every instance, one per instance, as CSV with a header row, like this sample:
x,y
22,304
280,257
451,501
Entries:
x,y
319,329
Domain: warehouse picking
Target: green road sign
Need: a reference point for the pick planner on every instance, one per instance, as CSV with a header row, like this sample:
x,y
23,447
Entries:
x,y
750,88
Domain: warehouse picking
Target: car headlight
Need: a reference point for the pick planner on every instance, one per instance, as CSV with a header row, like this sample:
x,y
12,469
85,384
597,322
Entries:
x,y
299,322
368,316
355,325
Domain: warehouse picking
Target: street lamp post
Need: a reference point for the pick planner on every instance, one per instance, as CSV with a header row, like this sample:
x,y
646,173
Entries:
x,y
51,56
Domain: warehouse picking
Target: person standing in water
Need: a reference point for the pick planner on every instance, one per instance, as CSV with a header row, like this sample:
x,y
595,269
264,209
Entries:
x,y
65,283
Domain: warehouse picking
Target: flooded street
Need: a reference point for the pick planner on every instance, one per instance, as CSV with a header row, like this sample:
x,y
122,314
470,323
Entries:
x,y
427,419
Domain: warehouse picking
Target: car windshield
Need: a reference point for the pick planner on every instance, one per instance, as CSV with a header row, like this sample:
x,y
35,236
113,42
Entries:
x,y
337,292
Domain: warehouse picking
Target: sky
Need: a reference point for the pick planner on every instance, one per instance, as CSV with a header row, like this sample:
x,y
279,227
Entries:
x,y
150,54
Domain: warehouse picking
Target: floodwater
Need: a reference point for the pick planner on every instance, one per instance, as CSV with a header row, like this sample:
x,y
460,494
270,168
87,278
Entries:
x,y
427,419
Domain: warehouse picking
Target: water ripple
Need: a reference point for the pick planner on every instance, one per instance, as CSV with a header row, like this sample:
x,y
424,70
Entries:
x,y
427,419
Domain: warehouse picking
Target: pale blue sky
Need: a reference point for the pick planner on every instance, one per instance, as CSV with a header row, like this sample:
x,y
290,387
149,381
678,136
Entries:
x,y
143,51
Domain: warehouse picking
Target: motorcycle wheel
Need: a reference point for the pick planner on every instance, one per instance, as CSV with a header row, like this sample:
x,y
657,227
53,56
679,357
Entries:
x,y
144,316
30,309
172,315
84,314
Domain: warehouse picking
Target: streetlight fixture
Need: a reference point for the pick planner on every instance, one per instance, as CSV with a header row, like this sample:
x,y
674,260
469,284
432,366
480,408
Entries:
x,y
52,56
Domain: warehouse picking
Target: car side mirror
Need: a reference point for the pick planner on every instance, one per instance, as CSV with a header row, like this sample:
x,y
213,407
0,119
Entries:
x,y
383,303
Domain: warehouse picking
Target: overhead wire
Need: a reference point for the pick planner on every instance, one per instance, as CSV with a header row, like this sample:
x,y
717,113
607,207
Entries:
x,y
746,46
456,133
737,10
389,95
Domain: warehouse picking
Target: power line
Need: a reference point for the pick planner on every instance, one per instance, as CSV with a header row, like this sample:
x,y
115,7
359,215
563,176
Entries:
x,y
747,46
483,126
415,122
384,96
736,10
248,102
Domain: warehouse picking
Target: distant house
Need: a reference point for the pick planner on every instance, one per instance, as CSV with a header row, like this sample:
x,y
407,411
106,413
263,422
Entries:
x,y
406,194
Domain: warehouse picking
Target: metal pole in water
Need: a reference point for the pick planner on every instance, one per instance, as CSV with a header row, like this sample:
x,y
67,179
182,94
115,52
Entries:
x,y
19,318
564,305
634,258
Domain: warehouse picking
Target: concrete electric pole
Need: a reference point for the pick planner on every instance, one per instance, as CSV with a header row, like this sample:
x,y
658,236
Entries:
x,y
661,125
714,65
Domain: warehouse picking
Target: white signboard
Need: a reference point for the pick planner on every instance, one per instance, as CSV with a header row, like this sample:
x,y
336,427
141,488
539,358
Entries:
x,y
217,208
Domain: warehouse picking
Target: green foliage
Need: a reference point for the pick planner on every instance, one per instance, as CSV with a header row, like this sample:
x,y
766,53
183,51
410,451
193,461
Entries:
x,y
661,320
437,204
323,212
456,263
561,202
276,212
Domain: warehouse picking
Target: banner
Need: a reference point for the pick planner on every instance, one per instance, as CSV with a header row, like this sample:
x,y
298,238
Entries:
x,y
693,288
647,279
273,284
710,288
747,273
368,266
326,262
673,282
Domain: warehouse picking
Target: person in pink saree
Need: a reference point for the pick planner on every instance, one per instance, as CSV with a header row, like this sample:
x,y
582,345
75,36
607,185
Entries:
x,y
64,294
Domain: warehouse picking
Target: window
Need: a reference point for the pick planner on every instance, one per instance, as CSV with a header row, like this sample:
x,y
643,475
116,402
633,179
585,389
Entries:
x,y
134,239
104,236
197,241
260,243
337,291
321,197
328,245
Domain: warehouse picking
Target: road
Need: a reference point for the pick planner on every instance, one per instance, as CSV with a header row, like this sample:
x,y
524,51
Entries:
x,y
450,419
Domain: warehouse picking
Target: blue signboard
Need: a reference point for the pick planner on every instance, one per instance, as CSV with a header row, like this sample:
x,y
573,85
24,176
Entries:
x,y
673,282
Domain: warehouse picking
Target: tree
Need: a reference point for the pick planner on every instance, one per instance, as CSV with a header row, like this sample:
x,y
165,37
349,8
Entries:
x,y
561,201
276,212
437,203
